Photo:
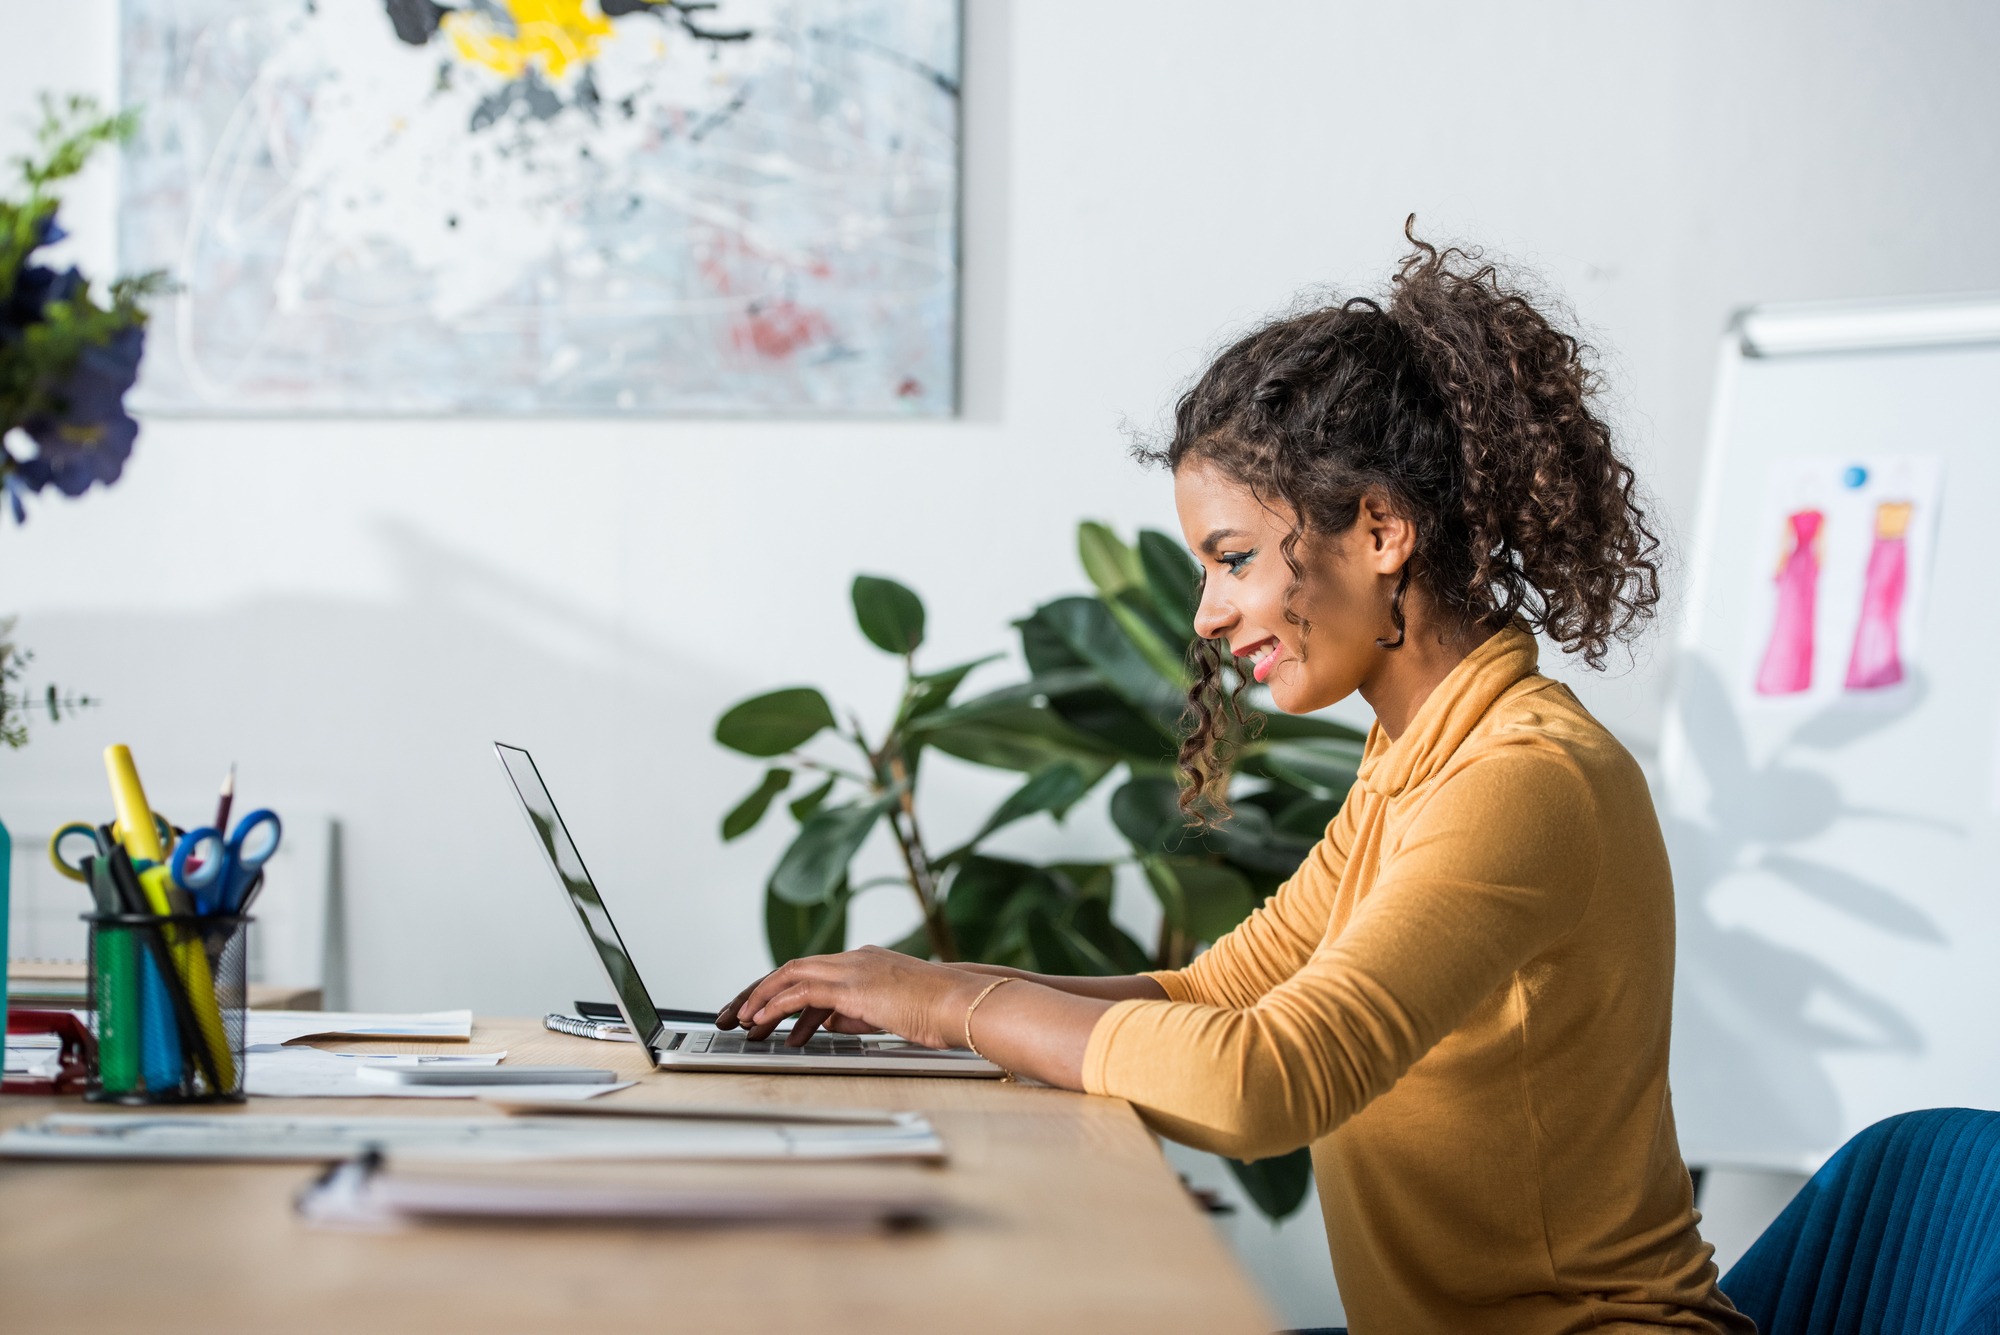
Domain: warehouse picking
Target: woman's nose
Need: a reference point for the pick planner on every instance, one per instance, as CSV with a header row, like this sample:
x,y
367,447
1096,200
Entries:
x,y
1213,616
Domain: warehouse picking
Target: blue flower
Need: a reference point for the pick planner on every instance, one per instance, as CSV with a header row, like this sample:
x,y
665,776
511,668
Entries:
x,y
35,285
89,436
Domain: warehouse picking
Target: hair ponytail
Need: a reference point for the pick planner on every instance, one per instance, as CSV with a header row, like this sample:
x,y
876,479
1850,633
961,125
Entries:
x,y
1555,533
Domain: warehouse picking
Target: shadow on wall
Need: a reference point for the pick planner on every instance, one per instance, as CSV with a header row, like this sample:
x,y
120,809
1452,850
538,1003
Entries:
x,y
1747,1028
384,715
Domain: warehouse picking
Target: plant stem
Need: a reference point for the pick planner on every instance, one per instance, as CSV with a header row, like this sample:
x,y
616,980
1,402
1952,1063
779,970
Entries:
x,y
887,765
922,878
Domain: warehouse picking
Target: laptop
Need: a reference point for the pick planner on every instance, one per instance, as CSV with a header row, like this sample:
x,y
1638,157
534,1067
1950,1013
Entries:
x,y
693,1047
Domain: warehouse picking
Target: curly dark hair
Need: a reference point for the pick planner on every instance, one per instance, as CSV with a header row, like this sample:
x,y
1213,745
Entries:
x,y
1461,402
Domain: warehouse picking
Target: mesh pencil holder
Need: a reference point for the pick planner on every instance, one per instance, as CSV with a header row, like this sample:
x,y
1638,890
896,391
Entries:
x,y
168,991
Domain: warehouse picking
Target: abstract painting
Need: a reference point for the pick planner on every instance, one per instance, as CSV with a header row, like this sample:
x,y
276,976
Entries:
x,y
546,206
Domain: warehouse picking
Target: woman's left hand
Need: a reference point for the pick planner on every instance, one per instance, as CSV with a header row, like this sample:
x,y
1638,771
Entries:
x,y
858,991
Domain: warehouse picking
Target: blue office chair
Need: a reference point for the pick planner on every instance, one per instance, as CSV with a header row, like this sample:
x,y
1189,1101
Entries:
x,y
1899,1234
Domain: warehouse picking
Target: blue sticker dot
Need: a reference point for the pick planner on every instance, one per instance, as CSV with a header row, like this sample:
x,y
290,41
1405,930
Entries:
x,y
1855,476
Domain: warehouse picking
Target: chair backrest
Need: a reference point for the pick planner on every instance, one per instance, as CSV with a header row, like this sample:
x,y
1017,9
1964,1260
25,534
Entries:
x,y
1899,1234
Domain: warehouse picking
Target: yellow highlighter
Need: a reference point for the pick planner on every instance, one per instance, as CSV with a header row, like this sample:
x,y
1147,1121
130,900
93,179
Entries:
x,y
141,837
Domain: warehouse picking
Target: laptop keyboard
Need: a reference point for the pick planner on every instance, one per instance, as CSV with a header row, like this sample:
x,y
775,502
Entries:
x,y
819,1045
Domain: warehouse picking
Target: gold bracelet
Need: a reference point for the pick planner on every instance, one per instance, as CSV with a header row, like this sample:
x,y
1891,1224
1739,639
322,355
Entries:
x,y
984,993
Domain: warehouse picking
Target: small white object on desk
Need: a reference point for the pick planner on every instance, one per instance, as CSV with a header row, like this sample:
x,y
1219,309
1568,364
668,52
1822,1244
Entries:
x,y
34,1056
406,1076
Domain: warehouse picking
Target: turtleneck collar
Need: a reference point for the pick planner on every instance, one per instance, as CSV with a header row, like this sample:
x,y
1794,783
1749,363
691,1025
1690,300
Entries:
x,y
1448,715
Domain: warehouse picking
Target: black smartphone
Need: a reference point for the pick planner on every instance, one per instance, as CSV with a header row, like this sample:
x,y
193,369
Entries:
x,y
604,1010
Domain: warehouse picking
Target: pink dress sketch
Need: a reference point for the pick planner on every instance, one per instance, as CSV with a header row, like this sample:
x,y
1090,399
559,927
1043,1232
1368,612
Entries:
x,y
1788,658
1877,660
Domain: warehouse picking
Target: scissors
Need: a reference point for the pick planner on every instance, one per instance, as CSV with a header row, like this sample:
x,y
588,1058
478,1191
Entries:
x,y
218,879
95,875
76,829
99,846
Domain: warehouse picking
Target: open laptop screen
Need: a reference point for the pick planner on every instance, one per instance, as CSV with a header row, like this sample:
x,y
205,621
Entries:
x,y
567,864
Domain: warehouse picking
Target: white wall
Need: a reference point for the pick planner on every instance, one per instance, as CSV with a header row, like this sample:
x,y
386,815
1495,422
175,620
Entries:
x,y
352,609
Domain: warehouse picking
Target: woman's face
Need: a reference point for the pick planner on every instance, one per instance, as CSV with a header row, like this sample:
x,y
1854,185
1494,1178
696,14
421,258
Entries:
x,y
1348,582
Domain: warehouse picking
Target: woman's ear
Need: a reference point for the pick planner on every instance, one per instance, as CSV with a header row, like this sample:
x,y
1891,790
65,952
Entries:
x,y
1392,538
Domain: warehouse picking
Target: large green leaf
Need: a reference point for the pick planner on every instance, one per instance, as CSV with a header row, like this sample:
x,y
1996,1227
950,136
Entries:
x,y
1276,1186
1055,789
1091,919
1164,652
1307,727
793,930
1043,648
1202,897
804,807
1173,581
976,904
1118,726
1251,839
890,615
1112,566
1092,633
1084,700
1018,737
1325,767
1147,811
743,817
932,691
817,860
1085,880
1007,699
1306,817
1082,939
774,723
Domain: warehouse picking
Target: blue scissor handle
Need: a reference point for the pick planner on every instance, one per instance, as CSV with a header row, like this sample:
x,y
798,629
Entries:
x,y
227,868
247,853
203,882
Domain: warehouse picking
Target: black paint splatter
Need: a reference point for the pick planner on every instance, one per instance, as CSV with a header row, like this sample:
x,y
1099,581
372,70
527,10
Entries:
x,y
415,21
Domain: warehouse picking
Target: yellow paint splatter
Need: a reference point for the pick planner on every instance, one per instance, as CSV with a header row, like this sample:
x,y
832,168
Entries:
x,y
549,35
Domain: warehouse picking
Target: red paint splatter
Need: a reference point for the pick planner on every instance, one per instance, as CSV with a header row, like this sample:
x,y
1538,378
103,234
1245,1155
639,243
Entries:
x,y
779,330
909,389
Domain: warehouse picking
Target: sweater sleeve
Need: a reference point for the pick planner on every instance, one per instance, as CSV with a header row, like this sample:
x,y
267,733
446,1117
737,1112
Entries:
x,y
1497,866
1275,941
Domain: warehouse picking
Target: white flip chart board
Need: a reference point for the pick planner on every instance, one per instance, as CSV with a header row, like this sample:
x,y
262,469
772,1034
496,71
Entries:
x,y
1831,755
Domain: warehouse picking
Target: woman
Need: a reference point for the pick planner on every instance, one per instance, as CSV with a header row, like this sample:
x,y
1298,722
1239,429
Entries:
x,y
1461,1001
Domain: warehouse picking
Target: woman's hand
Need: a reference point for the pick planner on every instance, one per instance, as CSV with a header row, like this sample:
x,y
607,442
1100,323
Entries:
x,y
858,992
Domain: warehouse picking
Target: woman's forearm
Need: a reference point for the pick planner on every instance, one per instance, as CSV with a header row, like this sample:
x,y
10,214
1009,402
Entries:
x,y
1122,987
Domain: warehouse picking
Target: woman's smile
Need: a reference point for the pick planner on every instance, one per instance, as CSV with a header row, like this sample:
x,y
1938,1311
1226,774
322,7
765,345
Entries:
x,y
1263,655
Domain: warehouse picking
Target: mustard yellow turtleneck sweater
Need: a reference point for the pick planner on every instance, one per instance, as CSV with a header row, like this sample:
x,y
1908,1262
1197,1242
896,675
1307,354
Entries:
x,y
1461,1002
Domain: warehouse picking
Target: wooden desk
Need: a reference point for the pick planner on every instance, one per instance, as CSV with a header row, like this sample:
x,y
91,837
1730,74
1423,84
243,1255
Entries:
x,y
1063,1216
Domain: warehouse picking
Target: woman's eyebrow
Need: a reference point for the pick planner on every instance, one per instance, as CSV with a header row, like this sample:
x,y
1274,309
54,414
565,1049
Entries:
x,y
1210,544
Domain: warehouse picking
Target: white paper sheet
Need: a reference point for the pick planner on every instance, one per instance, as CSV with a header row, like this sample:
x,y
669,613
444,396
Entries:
x,y
276,1072
265,1027
313,1139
